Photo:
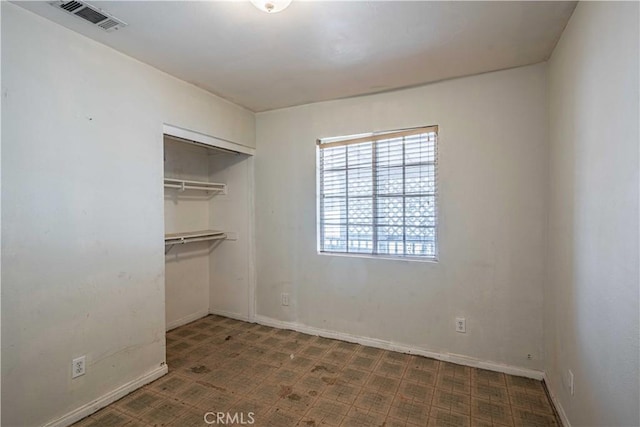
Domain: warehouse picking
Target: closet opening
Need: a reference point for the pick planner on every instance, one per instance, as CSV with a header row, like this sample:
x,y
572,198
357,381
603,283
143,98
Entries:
x,y
208,225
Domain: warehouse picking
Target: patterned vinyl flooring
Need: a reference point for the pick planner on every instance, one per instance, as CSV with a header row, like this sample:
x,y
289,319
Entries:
x,y
240,373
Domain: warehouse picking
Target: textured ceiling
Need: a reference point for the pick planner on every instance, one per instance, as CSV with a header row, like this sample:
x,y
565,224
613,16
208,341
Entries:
x,y
317,50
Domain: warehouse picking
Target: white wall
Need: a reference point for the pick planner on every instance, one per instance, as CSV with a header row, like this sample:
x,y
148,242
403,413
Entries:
x,y
591,297
1,103
492,185
232,265
82,221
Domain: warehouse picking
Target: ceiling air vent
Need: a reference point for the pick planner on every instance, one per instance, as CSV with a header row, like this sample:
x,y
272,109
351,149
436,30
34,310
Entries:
x,y
90,13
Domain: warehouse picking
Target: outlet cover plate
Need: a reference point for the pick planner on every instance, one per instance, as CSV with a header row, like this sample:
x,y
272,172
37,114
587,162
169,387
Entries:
x,y
571,385
285,299
78,366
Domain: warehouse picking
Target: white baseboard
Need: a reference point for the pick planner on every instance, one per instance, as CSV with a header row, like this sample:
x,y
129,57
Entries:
x,y
237,316
389,345
112,396
556,403
187,319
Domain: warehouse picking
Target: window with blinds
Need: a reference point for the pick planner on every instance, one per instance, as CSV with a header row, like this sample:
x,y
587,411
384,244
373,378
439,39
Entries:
x,y
377,194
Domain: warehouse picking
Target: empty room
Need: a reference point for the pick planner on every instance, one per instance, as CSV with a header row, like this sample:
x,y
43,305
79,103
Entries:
x,y
320,213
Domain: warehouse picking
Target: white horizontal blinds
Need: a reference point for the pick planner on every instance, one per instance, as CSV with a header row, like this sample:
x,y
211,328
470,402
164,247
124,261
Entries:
x,y
378,195
406,190
347,198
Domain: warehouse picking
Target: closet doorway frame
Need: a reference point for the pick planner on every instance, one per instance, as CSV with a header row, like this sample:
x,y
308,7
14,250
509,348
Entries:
x,y
209,141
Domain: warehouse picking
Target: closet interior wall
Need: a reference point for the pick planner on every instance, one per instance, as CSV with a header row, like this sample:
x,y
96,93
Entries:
x,y
231,263
186,265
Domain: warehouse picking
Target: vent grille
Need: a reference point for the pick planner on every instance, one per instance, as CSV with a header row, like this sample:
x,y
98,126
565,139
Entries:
x,y
108,24
91,14
71,6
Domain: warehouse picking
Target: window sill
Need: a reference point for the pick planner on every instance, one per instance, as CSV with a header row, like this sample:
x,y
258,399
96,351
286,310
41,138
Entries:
x,y
381,257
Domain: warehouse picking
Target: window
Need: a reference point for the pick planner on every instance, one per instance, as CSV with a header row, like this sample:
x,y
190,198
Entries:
x,y
377,194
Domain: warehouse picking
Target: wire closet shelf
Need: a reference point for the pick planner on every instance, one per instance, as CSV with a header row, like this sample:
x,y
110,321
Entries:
x,y
183,185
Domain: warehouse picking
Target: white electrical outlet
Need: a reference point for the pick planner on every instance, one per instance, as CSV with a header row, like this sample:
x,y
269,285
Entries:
x,y
78,367
285,298
570,379
461,325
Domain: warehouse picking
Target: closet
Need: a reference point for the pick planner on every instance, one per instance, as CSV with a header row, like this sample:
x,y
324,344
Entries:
x,y
208,216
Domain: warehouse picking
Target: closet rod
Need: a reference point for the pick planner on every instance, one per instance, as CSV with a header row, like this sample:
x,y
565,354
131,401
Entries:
x,y
184,240
177,239
192,187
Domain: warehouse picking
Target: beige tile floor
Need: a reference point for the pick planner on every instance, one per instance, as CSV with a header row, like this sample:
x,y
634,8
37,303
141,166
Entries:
x,y
286,378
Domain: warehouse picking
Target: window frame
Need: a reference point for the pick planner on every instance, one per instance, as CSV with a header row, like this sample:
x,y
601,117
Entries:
x,y
364,138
